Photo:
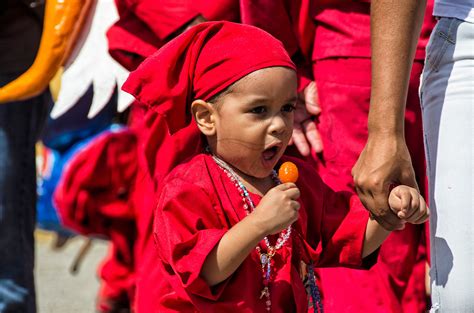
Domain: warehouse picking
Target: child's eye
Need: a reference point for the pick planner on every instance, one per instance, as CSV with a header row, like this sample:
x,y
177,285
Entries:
x,y
288,107
258,110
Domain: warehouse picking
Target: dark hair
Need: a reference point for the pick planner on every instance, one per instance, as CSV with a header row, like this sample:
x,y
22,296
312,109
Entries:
x,y
216,99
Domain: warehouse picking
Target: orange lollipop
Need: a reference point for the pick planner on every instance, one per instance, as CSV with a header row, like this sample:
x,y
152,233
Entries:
x,y
288,172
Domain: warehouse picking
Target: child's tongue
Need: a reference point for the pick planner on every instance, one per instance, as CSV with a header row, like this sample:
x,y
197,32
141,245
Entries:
x,y
268,154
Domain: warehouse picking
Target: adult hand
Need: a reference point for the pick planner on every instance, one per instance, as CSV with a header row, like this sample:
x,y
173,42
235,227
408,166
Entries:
x,y
385,161
305,133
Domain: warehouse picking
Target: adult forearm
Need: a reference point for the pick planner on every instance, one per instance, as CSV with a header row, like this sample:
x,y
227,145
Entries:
x,y
395,28
232,250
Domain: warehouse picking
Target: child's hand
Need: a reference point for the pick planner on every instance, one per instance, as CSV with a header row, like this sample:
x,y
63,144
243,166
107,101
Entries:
x,y
408,204
278,208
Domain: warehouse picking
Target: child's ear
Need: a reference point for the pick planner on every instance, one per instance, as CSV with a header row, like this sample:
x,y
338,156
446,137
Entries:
x,y
204,114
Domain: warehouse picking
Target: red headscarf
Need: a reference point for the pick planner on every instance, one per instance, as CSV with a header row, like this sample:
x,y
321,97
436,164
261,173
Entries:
x,y
198,64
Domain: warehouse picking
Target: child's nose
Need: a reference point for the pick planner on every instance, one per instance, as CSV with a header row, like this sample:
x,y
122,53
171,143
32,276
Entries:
x,y
278,125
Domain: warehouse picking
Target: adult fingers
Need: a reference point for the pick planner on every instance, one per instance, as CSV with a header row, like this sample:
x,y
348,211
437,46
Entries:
x,y
407,177
384,214
387,219
311,99
301,114
299,140
312,135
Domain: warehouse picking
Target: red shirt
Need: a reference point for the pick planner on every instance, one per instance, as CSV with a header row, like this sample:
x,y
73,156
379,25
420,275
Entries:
x,y
198,203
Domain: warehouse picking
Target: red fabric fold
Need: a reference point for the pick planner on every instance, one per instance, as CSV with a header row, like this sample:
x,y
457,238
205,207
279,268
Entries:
x,y
343,30
96,182
131,41
162,17
291,22
287,20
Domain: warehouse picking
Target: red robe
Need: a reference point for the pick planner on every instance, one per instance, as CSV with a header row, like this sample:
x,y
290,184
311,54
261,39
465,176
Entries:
x,y
197,205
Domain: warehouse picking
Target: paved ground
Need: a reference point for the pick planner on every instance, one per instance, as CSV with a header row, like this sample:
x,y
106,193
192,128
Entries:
x,y
58,291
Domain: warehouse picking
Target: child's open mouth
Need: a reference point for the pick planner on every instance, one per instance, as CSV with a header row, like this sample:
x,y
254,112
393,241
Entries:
x,y
270,153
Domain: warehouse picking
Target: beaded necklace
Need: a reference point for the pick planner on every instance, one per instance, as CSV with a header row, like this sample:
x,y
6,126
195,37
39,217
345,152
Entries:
x,y
249,206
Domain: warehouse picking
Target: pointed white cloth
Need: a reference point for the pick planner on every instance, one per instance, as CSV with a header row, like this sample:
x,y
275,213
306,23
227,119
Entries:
x,y
92,64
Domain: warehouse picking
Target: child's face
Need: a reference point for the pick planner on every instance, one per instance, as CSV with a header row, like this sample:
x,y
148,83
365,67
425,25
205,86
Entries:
x,y
254,122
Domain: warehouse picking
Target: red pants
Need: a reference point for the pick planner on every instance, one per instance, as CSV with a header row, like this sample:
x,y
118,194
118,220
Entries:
x,y
397,282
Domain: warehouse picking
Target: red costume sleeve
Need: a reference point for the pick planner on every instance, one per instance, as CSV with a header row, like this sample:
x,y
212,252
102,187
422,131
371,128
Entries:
x,y
336,223
343,231
186,230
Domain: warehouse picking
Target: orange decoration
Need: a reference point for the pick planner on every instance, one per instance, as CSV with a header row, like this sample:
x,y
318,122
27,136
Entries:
x,y
62,18
288,172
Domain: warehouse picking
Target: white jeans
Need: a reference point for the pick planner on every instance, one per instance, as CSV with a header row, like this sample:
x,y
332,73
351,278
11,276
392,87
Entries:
x,y
447,99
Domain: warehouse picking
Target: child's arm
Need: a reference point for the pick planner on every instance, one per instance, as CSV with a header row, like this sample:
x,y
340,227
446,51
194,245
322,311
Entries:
x,y
409,206
374,237
277,209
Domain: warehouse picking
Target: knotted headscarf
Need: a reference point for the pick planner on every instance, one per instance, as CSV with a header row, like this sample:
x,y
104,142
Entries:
x,y
198,64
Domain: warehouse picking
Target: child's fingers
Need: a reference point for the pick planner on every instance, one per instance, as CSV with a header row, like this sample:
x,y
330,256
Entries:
x,y
413,213
293,193
394,201
401,215
295,205
285,186
415,200
424,212
405,200
290,189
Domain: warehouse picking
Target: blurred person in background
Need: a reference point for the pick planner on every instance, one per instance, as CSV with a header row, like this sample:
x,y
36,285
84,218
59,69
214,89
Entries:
x,y
21,23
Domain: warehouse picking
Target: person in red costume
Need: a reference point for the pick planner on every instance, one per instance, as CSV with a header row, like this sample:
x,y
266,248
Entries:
x,y
96,197
229,237
342,72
